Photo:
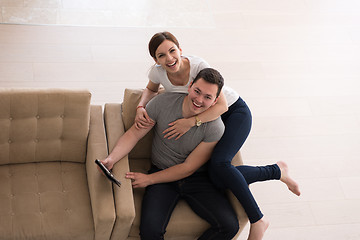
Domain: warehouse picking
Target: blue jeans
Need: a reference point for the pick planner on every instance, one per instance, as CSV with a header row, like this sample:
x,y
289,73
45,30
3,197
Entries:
x,y
204,199
224,175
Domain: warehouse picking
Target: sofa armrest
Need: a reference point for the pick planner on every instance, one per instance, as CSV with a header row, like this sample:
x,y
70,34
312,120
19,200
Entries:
x,y
101,193
124,200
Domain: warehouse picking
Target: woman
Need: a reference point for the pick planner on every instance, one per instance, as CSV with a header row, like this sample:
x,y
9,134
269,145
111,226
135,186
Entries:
x,y
175,72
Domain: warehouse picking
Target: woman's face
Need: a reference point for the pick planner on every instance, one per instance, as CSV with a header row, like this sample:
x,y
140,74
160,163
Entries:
x,y
168,55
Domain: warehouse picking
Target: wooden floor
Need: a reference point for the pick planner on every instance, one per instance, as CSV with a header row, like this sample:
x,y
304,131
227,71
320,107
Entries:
x,y
295,62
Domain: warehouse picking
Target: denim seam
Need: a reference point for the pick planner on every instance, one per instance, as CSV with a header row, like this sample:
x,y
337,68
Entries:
x,y
206,210
168,215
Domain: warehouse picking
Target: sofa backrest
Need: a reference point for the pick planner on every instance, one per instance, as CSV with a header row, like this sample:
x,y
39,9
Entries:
x,y
43,125
130,102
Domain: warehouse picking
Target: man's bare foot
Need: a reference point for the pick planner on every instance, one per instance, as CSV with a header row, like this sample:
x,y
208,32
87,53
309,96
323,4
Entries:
x,y
257,229
285,178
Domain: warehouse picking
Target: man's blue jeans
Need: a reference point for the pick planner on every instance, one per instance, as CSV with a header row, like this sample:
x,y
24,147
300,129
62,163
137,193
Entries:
x,y
204,199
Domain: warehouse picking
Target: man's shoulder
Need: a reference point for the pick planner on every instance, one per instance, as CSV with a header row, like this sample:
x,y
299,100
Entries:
x,y
214,130
164,102
217,123
168,96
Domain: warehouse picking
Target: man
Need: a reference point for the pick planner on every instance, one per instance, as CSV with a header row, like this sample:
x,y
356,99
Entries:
x,y
178,170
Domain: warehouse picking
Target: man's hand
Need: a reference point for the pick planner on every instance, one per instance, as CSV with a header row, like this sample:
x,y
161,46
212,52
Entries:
x,y
139,180
107,163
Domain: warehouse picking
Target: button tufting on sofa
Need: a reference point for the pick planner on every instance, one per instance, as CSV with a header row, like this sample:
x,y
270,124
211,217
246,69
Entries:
x,y
34,160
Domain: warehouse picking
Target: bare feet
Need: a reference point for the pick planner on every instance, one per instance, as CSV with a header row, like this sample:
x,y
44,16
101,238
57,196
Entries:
x,y
257,230
285,178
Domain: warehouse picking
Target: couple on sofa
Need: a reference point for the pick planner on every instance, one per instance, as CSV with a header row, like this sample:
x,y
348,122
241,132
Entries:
x,y
192,147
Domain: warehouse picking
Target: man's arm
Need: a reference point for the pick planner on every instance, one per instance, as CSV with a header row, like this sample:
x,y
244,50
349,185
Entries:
x,y
198,157
125,144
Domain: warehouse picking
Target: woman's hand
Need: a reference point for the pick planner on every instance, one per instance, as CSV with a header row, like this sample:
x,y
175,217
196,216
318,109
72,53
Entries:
x,y
139,180
142,119
179,128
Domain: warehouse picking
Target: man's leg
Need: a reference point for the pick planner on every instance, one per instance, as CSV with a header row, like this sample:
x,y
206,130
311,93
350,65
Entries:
x,y
158,204
211,205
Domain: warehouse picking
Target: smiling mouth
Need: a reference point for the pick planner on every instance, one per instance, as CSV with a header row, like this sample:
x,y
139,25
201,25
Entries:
x,y
196,105
172,64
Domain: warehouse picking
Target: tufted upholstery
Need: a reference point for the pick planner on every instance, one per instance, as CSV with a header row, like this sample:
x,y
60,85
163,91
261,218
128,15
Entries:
x,y
32,124
184,223
49,185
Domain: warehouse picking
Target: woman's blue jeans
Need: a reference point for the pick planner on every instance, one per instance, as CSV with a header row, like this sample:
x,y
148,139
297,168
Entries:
x,y
224,175
204,199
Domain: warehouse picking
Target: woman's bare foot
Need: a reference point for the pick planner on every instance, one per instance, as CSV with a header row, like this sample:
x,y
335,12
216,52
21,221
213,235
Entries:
x,y
257,230
285,178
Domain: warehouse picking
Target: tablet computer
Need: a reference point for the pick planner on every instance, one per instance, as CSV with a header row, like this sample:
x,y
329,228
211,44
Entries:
x,y
107,173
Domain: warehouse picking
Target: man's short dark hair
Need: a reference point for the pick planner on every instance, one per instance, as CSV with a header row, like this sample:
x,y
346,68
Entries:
x,y
211,75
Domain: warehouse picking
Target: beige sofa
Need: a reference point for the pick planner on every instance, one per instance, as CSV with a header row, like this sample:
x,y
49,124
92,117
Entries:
x,y
49,185
184,223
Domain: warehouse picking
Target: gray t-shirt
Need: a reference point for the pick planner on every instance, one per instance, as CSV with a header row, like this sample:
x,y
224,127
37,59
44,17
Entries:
x,y
166,108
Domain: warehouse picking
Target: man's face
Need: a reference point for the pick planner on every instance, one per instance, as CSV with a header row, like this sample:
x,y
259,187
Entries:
x,y
202,95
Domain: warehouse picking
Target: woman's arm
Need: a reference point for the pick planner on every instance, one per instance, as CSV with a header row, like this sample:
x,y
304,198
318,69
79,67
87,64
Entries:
x,y
150,91
181,126
142,119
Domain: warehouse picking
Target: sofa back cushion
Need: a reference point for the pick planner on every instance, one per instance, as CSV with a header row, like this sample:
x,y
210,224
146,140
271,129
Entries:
x,y
142,149
130,102
43,125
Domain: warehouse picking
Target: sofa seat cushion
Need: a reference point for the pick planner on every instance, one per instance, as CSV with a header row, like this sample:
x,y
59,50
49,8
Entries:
x,y
183,217
48,200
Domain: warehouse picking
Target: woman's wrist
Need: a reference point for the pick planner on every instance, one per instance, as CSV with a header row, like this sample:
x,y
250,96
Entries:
x,y
192,121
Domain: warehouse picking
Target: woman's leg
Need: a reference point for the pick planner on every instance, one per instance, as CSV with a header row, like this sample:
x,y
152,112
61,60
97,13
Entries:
x,y
237,127
253,174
